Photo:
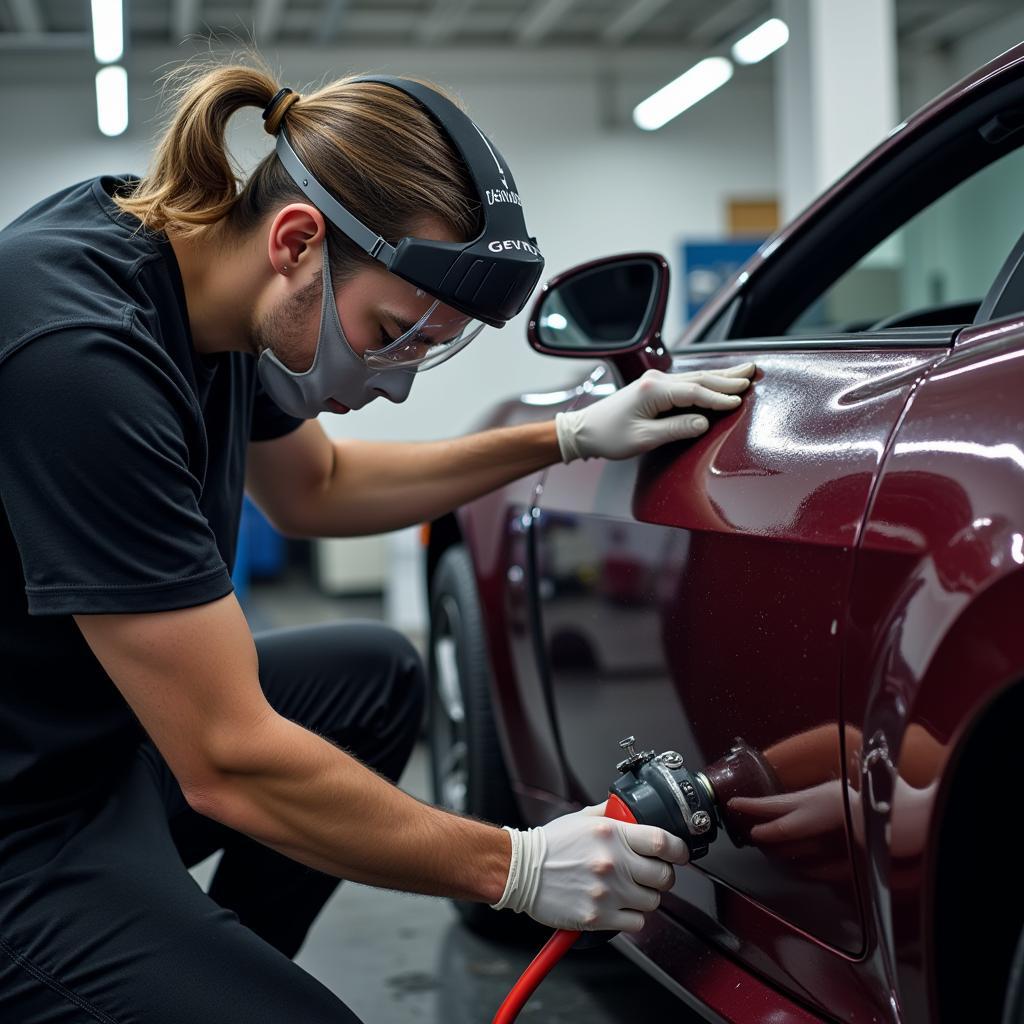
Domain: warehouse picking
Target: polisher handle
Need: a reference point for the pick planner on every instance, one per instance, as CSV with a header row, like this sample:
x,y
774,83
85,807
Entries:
x,y
616,808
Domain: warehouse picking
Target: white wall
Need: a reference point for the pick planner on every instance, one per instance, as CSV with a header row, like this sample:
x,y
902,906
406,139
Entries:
x,y
589,189
830,108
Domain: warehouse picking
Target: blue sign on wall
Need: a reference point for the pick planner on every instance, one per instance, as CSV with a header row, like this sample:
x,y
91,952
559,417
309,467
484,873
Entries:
x,y
708,265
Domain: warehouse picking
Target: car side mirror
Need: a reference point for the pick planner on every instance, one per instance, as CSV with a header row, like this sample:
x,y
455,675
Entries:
x,y
612,308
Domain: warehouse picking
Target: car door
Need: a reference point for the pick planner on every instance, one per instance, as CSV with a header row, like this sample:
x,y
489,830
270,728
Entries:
x,y
698,594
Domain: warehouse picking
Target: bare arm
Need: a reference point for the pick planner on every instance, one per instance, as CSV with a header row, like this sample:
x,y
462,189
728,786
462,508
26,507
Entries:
x,y
191,678
311,486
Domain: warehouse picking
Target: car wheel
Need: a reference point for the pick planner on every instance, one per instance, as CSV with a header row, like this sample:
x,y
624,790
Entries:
x,y
1013,1009
467,767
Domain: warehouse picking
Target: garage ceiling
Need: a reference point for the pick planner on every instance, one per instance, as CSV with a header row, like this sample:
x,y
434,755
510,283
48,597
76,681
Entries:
x,y
626,24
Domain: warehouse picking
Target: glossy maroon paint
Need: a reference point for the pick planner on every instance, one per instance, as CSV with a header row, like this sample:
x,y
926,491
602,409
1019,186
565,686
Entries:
x,y
689,651
934,621
839,567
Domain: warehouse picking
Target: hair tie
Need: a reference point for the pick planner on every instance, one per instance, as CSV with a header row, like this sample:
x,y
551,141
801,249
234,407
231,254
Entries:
x,y
273,113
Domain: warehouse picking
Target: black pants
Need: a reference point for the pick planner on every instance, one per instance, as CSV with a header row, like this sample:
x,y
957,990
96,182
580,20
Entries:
x,y
108,925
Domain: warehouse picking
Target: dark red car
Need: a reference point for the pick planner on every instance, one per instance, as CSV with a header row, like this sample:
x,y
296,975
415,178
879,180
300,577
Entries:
x,y
834,574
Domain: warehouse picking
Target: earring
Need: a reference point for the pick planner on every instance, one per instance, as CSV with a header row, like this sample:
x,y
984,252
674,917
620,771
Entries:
x,y
284,268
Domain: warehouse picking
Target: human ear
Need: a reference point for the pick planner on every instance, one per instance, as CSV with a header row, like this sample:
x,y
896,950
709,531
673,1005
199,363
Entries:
x,y
294,231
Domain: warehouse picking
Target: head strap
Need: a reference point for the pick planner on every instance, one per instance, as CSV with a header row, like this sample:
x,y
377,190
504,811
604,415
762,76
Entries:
x,y
347,222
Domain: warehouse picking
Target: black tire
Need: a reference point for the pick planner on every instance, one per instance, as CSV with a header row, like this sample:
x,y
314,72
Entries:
x,y
460,673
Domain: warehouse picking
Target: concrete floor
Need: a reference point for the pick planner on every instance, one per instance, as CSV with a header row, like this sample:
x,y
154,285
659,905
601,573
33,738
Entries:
x,y
395,958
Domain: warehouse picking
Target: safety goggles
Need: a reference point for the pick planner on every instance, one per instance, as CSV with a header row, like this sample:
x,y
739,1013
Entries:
x,y
435,337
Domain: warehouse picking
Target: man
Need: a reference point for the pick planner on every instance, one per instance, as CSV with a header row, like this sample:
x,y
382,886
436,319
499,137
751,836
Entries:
x,y
142,726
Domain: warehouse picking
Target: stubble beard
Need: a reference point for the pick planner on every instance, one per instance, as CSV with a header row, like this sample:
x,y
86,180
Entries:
x,y
284,332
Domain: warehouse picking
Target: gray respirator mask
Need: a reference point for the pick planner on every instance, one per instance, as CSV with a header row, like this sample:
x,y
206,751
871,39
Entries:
x,y
337,372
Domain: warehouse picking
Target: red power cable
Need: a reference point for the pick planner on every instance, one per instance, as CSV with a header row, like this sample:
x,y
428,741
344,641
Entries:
x,y
555,948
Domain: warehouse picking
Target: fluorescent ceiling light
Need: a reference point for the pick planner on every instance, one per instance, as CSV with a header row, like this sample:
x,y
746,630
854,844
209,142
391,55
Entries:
x,y
682,93
112,100
764,40
107,30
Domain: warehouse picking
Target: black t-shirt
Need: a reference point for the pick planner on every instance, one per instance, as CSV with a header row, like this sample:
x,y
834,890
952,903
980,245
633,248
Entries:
x,y
122,461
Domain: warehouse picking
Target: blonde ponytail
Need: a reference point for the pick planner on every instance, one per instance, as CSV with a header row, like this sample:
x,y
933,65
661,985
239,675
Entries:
x,y
192,181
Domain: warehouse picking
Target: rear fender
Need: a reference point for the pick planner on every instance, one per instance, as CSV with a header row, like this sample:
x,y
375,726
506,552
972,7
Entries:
x,y
922,725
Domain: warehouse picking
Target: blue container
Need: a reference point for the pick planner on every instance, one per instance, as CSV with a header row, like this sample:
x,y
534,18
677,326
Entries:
x,y
261,550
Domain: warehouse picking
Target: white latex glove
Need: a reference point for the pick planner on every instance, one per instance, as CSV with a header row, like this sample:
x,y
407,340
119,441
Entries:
x,y
585,872
626,423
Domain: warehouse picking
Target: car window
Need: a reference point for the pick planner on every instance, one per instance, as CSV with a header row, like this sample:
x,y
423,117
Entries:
x,y
937,267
